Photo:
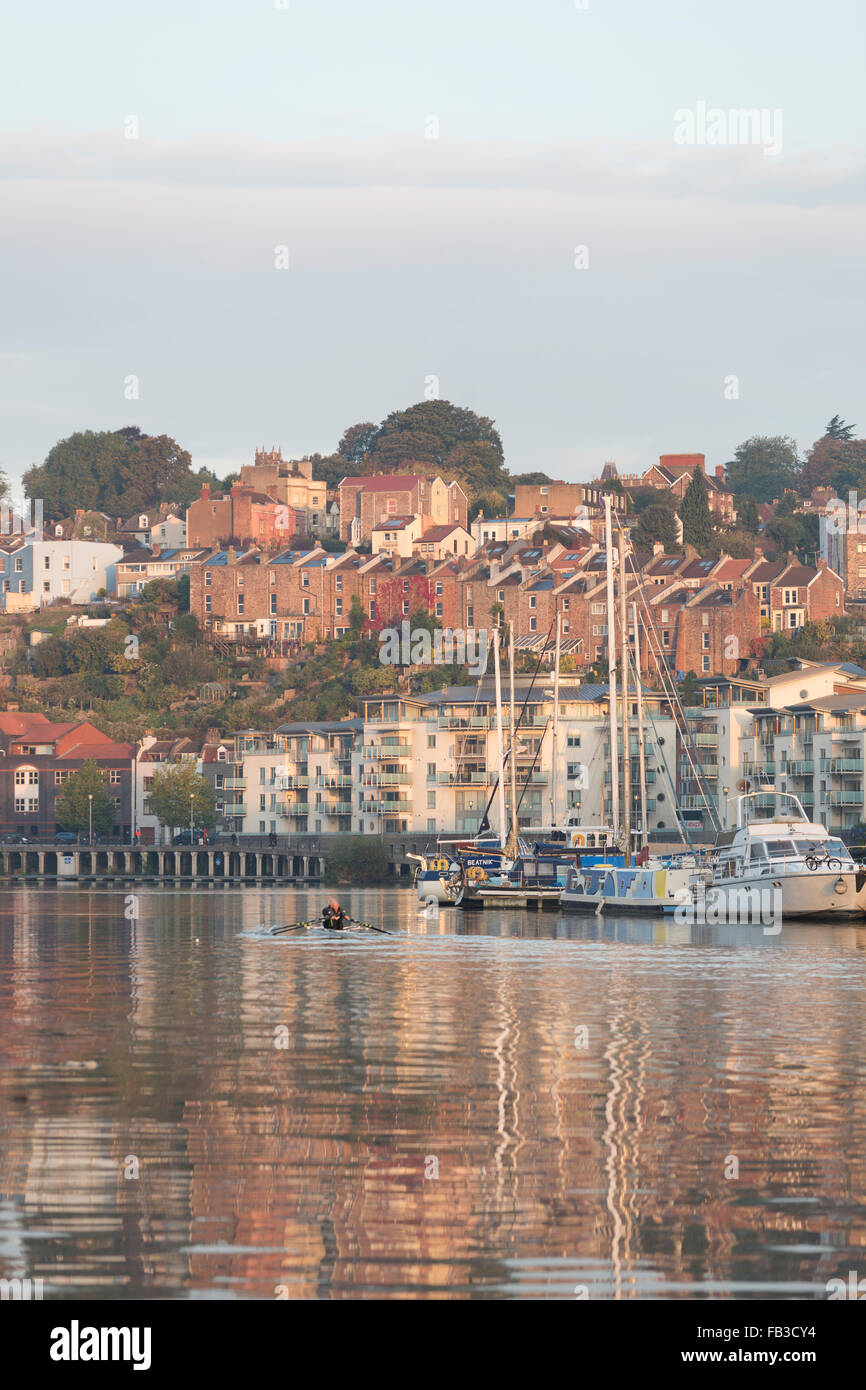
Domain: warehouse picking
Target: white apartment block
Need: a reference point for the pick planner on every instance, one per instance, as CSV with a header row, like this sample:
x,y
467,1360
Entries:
x,y
38,573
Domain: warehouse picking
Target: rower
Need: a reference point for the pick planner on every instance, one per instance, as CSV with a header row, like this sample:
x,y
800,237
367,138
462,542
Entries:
x,y
333,916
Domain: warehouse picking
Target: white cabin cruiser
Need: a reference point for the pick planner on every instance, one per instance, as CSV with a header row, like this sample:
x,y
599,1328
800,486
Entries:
x,y
783,856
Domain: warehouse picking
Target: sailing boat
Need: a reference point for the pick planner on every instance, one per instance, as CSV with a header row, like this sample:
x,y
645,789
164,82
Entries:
x,y
652,884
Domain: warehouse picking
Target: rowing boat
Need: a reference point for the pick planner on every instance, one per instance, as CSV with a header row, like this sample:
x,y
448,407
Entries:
x,y
351,925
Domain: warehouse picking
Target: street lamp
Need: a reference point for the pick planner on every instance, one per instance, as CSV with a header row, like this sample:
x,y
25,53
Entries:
x,y
90,817
191,804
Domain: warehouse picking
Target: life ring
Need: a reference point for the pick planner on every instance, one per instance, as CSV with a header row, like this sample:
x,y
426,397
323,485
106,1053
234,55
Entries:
x,y
578,840
476,875
442,866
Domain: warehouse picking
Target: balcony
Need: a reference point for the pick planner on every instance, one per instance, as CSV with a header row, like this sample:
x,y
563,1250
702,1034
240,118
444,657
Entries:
x,y
235,784
465,779
458,721
370,752
846,767
382,779
804,767
298,808
235,810
330,783
852,798
338,808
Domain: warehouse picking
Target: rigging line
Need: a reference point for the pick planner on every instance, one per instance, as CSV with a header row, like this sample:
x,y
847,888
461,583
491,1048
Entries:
x,y
670,688
517,724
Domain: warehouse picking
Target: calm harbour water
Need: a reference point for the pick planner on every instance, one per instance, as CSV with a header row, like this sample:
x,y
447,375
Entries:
x,y
490,1105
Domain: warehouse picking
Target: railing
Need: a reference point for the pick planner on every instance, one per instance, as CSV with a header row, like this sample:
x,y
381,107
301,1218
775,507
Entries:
x,y
845,798
298,808
235,784
465,779
382,779
338,780
386,750
338,808
804,767
846,767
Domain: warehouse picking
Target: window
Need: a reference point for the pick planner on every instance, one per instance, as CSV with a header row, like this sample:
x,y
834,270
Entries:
x,y
240,604
705,663
439,588
305,580
566,602
306,607
405,608
789,597
500,594
114,776
666,615
573,741
208,603
666,638
439,610
207,579
19,564
431,772
533,624
705,641
338,583
431,801
46,562
431,740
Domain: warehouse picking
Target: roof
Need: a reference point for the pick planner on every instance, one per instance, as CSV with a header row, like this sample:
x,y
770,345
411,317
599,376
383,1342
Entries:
x,y
386,482
394,523
439,533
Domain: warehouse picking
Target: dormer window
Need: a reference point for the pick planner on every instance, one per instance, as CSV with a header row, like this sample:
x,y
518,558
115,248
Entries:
x,y
142,522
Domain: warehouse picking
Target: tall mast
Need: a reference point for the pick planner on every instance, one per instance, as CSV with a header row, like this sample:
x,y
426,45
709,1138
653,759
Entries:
x,y
641,746
512,839
611,668
555,755
626,720
500,749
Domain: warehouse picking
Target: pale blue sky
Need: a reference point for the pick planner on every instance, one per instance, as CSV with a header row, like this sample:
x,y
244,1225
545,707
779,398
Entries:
x,y
411,257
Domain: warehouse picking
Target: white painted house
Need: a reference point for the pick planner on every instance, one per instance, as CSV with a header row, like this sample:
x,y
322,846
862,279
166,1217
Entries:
x,y
38,573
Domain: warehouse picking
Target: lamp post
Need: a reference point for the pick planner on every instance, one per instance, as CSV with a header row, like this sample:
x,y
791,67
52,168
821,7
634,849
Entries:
x,y
191,804
90,817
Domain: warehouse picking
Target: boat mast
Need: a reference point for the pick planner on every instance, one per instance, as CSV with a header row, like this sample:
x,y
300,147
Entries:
x,y
500,750
626,720
512,839
641,746
555,755
611,668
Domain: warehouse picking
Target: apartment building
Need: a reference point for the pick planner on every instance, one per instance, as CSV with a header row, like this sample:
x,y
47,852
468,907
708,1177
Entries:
x,y
36,573
139,567
163,526
367,501
38,756
293,485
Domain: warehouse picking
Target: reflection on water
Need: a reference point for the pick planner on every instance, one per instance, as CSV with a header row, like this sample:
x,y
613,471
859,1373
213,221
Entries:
x,y
493,1104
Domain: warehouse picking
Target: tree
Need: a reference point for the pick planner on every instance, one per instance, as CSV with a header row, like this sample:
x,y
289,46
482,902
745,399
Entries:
x,y
109,471
838,428
355,444
836,462
695,513
657,523
177,792
83,800
763,467
747,515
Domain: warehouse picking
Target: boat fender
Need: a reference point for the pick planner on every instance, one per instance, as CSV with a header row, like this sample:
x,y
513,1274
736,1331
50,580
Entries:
x,y
840,886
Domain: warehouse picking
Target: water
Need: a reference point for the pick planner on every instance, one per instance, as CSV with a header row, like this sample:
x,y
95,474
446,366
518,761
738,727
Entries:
x,y
192,1109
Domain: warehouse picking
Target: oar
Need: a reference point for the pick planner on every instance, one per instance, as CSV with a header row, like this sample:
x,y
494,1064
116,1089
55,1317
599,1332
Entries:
x,y
296,926
370,927
301,926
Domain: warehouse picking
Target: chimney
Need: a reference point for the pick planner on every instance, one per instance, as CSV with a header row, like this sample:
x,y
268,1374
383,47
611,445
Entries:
x,y
205,492
658,548
720,472
156,549
232,554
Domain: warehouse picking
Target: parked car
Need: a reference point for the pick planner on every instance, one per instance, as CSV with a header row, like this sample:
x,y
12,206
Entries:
x,y
66,837
185,837
14,838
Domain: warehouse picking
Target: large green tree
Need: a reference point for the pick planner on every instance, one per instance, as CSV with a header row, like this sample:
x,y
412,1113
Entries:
x,y
763,467
177,792
657,523
116,472
82,796
835,461
695,513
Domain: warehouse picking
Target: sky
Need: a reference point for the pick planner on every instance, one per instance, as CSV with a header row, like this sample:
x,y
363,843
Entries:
x,y
505,204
